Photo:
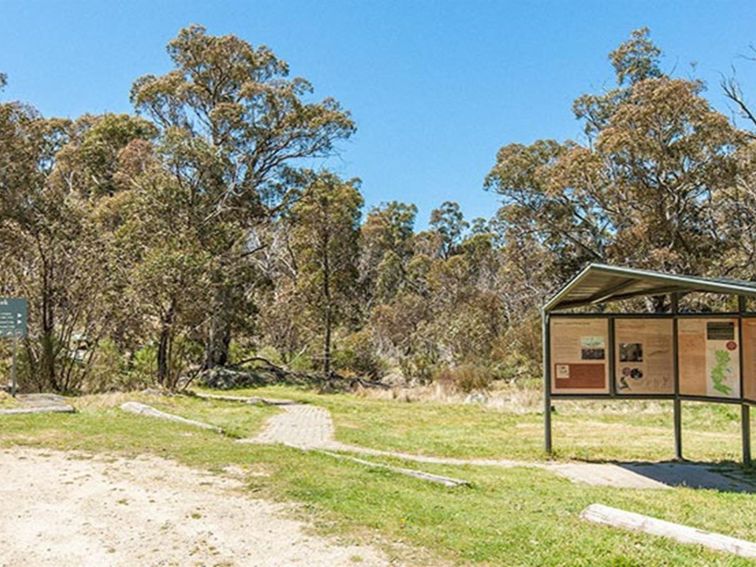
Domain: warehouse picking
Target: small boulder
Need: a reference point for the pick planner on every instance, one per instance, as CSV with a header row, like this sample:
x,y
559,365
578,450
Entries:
x,y
477,397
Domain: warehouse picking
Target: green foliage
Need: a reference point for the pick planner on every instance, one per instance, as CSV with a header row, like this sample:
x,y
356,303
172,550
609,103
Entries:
x,y
193,234
325,238
271,353
355,354
301,362
143,366
107,370
449,222
637,59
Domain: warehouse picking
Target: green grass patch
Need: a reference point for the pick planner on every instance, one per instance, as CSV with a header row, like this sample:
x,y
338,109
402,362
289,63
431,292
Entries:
x,y
587,430
518,516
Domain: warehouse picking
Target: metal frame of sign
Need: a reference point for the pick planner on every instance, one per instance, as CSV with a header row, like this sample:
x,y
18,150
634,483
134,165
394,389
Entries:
x,y
676,396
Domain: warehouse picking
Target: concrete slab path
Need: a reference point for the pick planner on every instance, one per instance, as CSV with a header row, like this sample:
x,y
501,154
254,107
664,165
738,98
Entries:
x,y
309,427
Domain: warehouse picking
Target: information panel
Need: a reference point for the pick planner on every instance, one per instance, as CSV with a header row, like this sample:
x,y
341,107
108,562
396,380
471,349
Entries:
x,y
579,351
13,314
644,356
709,357
749,358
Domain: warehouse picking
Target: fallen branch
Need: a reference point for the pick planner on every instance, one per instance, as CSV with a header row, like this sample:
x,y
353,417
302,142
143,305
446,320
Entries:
x,y
438,479
142,409
283,374
614,517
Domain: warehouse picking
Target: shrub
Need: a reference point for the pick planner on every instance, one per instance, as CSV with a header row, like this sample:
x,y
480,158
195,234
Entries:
x,y
356,354
107,369
142,368
271,353
466,378
420,366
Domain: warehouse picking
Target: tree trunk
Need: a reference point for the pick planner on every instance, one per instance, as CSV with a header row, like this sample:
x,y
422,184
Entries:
x,y
218,341
47,338
327,300
219,335
164,348
327,344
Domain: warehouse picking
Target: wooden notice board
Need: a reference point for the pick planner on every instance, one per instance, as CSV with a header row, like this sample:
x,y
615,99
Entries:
x,y
749,358
709,357
579,355
644,356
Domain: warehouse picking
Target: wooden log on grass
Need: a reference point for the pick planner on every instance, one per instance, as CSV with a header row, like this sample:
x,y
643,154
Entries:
x,y
438,479
143,409
617,518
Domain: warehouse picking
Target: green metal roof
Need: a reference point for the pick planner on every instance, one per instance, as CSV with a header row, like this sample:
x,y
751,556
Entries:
x,y
599,283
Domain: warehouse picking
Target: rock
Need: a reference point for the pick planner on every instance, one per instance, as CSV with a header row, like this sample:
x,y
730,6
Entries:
x,y
227,379
143,409
477,397
394,379
63,408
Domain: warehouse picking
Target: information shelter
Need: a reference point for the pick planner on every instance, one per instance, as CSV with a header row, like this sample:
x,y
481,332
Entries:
x,y
674,356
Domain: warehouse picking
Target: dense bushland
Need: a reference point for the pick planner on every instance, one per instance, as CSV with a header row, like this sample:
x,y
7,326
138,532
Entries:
x,y
189,237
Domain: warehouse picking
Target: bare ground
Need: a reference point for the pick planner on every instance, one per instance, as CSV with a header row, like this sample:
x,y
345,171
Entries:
x,y
70,509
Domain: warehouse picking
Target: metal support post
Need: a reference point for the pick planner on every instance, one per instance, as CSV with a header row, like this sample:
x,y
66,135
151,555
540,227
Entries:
x,y
676,368
546,334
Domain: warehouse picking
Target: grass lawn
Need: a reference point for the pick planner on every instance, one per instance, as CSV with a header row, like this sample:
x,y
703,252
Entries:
x,y
590,430
7,401
517,516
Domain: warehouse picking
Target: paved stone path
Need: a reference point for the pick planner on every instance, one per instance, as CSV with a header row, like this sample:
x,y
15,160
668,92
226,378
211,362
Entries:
x,y
302,426
309,427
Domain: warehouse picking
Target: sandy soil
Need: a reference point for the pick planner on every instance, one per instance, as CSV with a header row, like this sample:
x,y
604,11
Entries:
x,y
62,509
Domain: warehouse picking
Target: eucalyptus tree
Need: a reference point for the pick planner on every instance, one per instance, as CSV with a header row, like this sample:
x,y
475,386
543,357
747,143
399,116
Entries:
x,y
642,191
166,267
232,125
449,223
51,244
325,240
385,250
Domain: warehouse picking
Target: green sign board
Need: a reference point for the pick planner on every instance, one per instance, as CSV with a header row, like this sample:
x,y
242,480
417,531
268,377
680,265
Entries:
x,y
13,314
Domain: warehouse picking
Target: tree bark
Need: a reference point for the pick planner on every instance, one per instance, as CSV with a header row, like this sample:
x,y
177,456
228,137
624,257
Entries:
x,y
219,334
47,340
218,341
327,299
327,344
164,347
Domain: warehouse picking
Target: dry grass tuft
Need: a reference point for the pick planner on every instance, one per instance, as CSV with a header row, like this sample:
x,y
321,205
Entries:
x,y
112,400
7,401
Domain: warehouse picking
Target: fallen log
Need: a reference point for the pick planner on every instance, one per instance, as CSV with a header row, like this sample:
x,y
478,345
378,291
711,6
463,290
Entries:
x,y
255,401
284,374
438,479
617,518
143,409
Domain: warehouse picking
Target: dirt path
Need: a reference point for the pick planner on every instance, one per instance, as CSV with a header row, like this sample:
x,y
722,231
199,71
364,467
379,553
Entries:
x,y
311,427
64,509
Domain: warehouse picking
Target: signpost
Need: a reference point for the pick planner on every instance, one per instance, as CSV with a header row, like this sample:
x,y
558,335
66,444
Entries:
x,y
13,324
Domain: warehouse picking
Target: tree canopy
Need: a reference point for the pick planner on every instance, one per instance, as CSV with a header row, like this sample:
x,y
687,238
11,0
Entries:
x,y
196,234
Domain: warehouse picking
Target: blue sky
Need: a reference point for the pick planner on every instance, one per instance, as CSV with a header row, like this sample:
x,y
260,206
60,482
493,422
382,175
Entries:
x,y
436,87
